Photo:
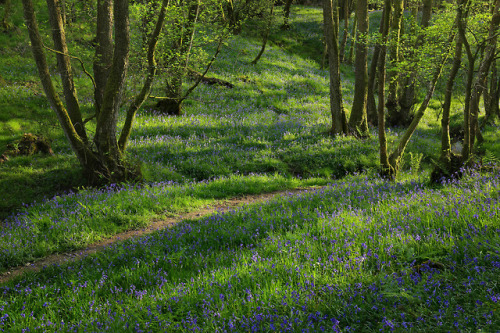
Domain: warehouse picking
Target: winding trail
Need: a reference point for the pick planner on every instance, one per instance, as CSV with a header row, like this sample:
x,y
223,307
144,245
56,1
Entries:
x,y
220,206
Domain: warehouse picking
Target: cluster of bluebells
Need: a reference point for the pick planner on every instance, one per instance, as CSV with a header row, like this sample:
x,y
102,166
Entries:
x,y
355,256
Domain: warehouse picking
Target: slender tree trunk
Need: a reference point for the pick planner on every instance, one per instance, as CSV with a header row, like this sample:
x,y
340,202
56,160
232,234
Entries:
x,y
136,104
286,14
387,170
392,76
330,15
371,105
488,89
358,118
445,121
407,98
266,36
104,49
172,105
346,31
480,82
396,155
354,34
64,67
491,101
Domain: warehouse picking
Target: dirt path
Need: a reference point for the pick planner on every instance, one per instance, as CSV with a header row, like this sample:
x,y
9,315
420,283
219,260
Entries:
x,y
219,206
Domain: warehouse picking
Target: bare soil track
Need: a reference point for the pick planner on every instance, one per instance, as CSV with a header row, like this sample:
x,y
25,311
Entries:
x,y
220,206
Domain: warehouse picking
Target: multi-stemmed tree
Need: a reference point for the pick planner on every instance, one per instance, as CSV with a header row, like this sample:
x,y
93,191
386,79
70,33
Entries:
x,y
101,156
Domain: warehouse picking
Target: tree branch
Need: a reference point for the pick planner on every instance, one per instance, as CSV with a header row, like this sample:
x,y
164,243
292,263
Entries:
x,y
73,57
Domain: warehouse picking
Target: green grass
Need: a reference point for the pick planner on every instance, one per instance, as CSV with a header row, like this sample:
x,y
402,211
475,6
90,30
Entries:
x,y
354,255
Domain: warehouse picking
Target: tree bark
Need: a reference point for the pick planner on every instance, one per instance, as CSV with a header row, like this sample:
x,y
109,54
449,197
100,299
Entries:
x,y
387,171
346,31
396,155
392,76
105,136
491,101
358,119
371,105
354,34
480,82
286,14
330,16
146,88
445,121
64,67
462,10
104,50
172,104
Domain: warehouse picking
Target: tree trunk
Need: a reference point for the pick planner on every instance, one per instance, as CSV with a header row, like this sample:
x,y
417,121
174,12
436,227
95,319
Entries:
x,y
354,34
371,107
396,155
330,16
6,25
136,104
172,104
462,10
64,67
104,49
492,108
346,31
266,36
480,82
445,121
392,76
286,14
105,137
387,171
407,98
358,119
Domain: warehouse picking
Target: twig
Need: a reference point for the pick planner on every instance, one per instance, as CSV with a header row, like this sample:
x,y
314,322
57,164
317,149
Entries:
x,y
73,57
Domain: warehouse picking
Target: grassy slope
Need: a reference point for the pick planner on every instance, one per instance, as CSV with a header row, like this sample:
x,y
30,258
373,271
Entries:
x,y
353,256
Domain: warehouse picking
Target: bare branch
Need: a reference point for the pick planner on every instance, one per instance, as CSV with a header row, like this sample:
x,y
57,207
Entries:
x,y
73,57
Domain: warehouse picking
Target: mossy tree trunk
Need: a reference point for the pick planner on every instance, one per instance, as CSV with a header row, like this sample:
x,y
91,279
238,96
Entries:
x,y
358,119
354,36
330,17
